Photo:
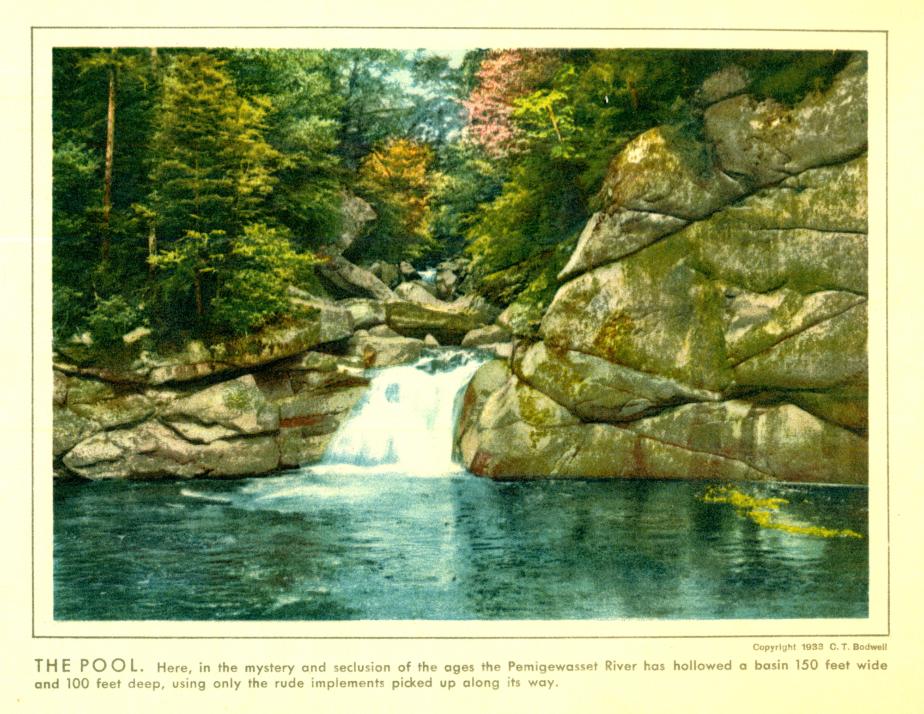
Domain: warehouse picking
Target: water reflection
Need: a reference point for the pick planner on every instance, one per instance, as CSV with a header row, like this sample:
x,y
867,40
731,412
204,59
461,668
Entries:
x,y
321,546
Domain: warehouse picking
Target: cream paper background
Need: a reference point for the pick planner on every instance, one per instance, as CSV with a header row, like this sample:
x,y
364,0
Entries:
x,y
896,558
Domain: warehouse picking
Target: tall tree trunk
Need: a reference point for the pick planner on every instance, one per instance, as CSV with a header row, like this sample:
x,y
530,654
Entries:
x,y
152,244
197,283
554,122
107,177
633,93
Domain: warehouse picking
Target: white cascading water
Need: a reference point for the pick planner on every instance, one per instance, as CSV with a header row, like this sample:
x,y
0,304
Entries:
x,y
405,422
428,275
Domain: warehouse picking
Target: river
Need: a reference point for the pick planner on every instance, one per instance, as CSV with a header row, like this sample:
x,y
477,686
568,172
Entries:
x,y
390,527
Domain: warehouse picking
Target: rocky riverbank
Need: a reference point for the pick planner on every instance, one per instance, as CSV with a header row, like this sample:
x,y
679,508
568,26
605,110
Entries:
x,y
712,321
254,405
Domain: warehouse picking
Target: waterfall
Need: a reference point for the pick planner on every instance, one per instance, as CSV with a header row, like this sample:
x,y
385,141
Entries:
x,y
405,422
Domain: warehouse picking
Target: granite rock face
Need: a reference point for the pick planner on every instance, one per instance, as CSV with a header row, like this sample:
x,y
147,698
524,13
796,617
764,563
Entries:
x,y
712,321
254,424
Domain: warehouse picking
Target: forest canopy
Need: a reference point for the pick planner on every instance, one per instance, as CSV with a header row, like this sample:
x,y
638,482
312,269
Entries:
x,y
192,187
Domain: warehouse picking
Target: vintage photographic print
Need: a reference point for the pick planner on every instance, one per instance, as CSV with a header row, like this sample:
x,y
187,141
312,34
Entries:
x,y
503,333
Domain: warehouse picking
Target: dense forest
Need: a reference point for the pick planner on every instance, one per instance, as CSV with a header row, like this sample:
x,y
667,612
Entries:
x,y
192,186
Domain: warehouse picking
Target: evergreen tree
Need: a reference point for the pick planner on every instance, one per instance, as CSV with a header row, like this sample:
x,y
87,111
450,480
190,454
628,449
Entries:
x,y
212,167
212,173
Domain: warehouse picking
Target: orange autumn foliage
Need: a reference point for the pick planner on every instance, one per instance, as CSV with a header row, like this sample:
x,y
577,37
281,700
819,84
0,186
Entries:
x,y
396,178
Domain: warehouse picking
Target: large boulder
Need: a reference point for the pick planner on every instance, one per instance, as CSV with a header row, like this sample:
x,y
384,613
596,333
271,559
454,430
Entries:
x,y
447,324
518,432
281,416
477,305
324,322
228,409
763,142
521,433
419,292
408,271
713,318
595,389
609,236
153,450
312,322
69,429
696,303
385,350
352,281
355,213
667,172
446,284
720,85
365,312
488,335
386,272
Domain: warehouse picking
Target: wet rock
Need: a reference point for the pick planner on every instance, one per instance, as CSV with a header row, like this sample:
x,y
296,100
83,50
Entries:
x,y
378,351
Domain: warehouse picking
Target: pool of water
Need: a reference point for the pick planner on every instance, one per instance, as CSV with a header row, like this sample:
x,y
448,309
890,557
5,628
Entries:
x,y
390,527
322,546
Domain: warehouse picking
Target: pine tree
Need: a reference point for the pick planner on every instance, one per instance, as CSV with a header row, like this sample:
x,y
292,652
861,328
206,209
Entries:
x,y
212,167
212,173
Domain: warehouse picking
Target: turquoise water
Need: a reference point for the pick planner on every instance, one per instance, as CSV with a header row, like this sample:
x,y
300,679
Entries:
x,y
372,534
392,547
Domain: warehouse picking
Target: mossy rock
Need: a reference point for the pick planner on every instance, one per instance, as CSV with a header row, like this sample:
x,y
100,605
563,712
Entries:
x,y
415,320
650,312
597,390
826,355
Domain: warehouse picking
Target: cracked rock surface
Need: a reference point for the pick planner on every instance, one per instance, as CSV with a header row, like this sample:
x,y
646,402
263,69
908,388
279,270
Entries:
x,y
712,321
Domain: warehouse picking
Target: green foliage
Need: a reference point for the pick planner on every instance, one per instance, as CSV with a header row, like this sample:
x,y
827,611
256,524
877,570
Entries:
x,y
111,318
788,76
229,167
539,205
186,278
212,167
468,179
303,124
261,266
374,103
228,285
69,308
396,179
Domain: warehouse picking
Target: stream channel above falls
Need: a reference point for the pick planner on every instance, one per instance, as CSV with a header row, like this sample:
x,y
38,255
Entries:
x,y
390,527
